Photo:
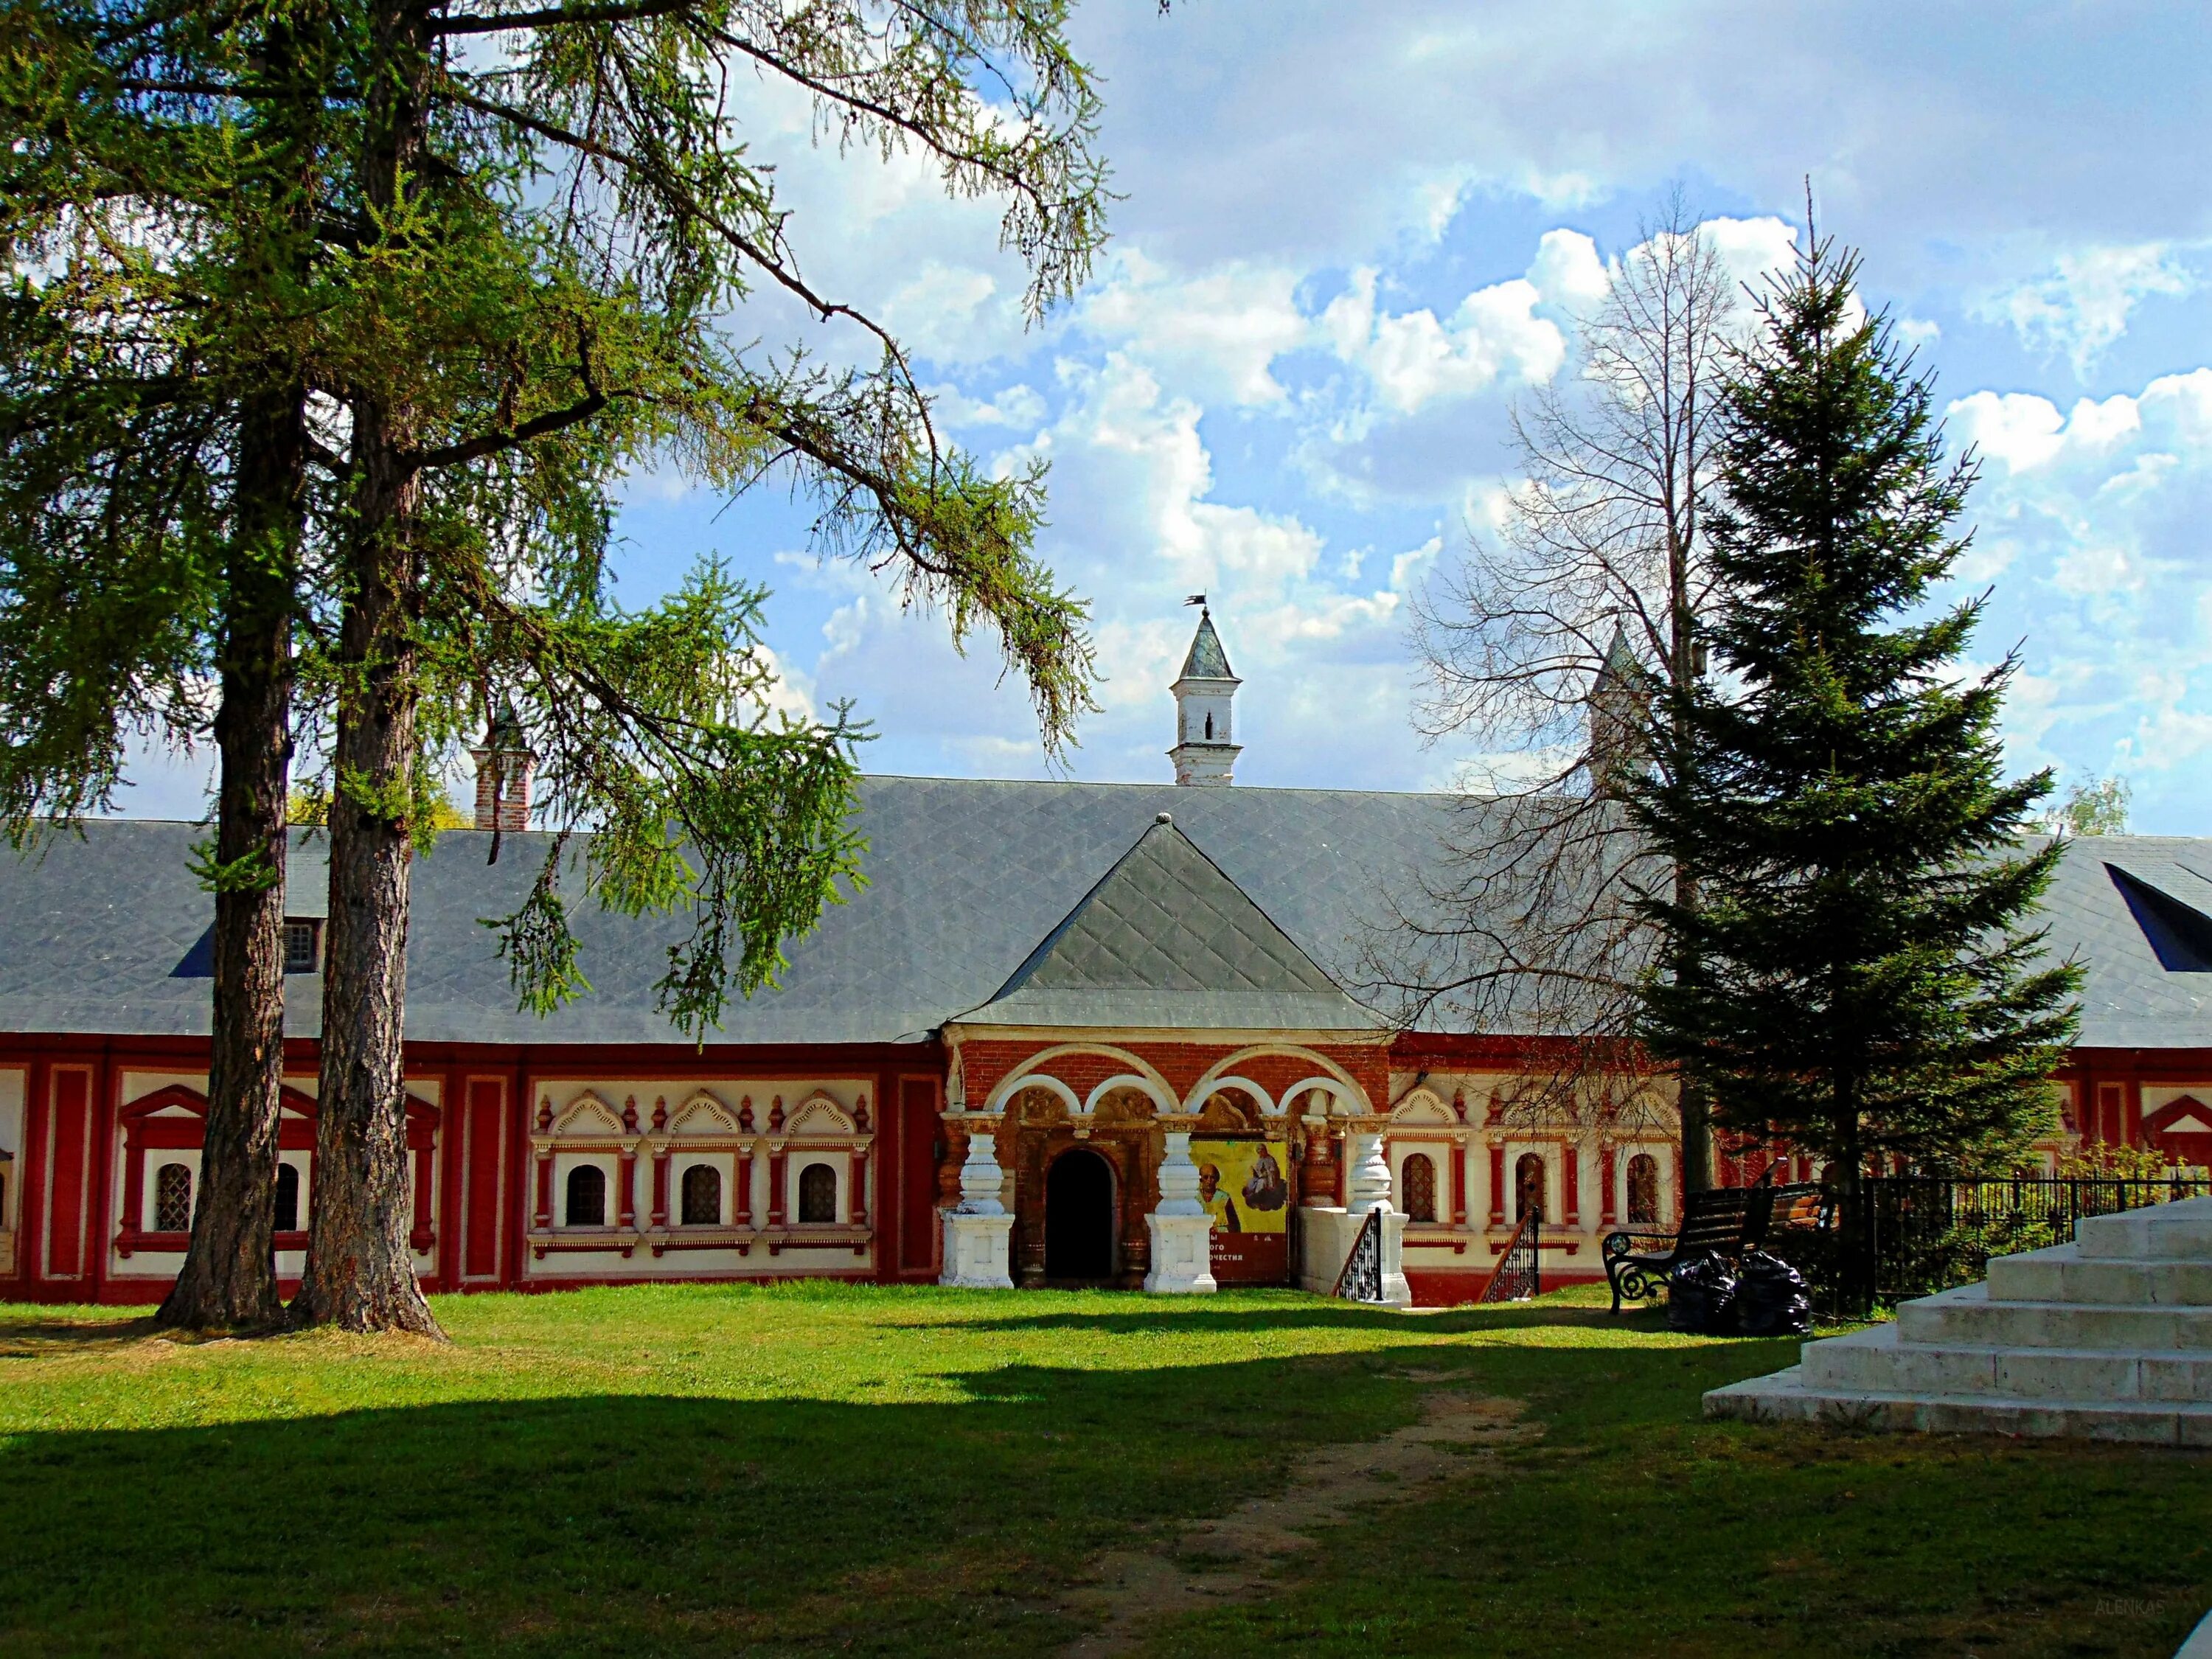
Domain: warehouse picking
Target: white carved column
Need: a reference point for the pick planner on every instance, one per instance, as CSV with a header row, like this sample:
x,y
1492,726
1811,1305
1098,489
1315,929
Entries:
x,y
1369,1186
1370,1182
978,1229
1182,1229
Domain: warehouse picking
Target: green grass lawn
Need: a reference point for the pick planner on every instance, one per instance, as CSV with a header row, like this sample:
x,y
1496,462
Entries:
x,y
708,1470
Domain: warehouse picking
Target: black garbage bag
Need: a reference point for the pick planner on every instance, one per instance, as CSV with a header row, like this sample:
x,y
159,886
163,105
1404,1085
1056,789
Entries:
x,y
1771,1298
1701,1297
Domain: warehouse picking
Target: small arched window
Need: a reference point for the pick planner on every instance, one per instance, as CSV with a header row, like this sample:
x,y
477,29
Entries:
x,y
288,1198
1209,728
173,1199
1527,1185
587,1196
1644,1188
1418,1177
702,1196
818,1193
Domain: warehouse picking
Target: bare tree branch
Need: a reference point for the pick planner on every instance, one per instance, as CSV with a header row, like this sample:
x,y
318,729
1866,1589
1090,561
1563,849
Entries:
x,y
1541,652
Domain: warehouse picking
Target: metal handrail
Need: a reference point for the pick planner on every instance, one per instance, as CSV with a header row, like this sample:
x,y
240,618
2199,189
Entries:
x,y
1520,1270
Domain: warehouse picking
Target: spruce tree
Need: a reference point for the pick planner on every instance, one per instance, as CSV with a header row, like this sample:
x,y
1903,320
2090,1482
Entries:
x,y
1859,977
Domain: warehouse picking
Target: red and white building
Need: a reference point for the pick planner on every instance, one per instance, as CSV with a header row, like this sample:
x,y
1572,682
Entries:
x,y
1068,1032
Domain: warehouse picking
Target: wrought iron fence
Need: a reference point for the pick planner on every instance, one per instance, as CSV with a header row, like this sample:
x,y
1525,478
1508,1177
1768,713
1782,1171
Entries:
x,y
1918,1234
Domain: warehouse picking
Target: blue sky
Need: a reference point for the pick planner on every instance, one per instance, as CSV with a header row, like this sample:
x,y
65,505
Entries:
x,y
1352,233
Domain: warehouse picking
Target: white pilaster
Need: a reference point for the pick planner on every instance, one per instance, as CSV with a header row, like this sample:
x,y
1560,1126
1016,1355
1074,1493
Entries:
x,y
1183,1231
978,1253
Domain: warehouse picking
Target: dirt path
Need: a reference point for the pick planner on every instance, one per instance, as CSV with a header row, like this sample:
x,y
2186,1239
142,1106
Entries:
x,y
1237,1557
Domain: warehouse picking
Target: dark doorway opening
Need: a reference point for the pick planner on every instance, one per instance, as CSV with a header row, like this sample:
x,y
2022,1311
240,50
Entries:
x,y
1079,1217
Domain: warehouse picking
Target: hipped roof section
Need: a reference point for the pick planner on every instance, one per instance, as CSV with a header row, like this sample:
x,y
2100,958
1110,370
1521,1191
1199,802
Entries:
x,y
1166,941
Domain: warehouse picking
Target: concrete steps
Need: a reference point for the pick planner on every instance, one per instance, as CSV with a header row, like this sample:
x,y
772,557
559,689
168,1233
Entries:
x,y
2063,1274
1875,1358
2108,1337
2157,1232
1784,1398
1971,1316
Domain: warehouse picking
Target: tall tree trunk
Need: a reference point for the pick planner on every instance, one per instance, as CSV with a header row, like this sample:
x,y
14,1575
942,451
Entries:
x,y
1847,1172
360,1268
1695,1110
1691,1103
229,1275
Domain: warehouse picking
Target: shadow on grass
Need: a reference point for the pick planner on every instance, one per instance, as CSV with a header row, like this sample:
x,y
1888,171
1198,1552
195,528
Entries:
x,y
45,1339
660,1523
618,1523
1162,1317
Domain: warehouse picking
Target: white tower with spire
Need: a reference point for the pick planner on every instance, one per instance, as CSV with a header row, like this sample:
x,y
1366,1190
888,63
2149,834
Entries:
x,y
1205,752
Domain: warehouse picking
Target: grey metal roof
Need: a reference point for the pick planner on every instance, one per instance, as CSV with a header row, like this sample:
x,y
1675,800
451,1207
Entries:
x,y
1166,940
965,876
1206,660
966,879
2132,999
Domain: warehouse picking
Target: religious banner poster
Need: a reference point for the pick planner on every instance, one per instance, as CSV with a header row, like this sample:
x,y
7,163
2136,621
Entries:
x,y
1245,1186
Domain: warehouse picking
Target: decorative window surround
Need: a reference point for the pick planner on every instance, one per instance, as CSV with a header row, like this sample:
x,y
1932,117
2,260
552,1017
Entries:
x,y
174,1118
704,1128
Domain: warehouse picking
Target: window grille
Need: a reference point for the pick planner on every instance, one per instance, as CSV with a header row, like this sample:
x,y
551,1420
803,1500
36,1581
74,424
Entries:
x,y
173,1199
1528,1185
818,1193
702,1196
1644,1188
587,1196
1418,1175
299,942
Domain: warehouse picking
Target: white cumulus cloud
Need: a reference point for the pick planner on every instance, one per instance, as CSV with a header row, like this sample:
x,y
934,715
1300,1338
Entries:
x,y
2083,304
1414,359
2090,519
1218,331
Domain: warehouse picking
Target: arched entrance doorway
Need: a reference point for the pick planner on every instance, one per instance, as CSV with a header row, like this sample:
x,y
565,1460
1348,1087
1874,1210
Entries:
x,y
1078,1215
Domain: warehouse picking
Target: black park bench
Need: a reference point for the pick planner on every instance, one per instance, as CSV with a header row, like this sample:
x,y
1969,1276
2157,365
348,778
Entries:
x,y
1723,1221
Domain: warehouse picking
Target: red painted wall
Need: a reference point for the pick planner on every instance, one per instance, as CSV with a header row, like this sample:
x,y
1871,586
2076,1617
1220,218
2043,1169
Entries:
x,y
68,1163
481,1141
918,1136
69,1131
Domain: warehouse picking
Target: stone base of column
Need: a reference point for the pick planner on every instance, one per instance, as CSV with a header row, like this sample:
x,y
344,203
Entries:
x,y
977,1251
1183,1255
